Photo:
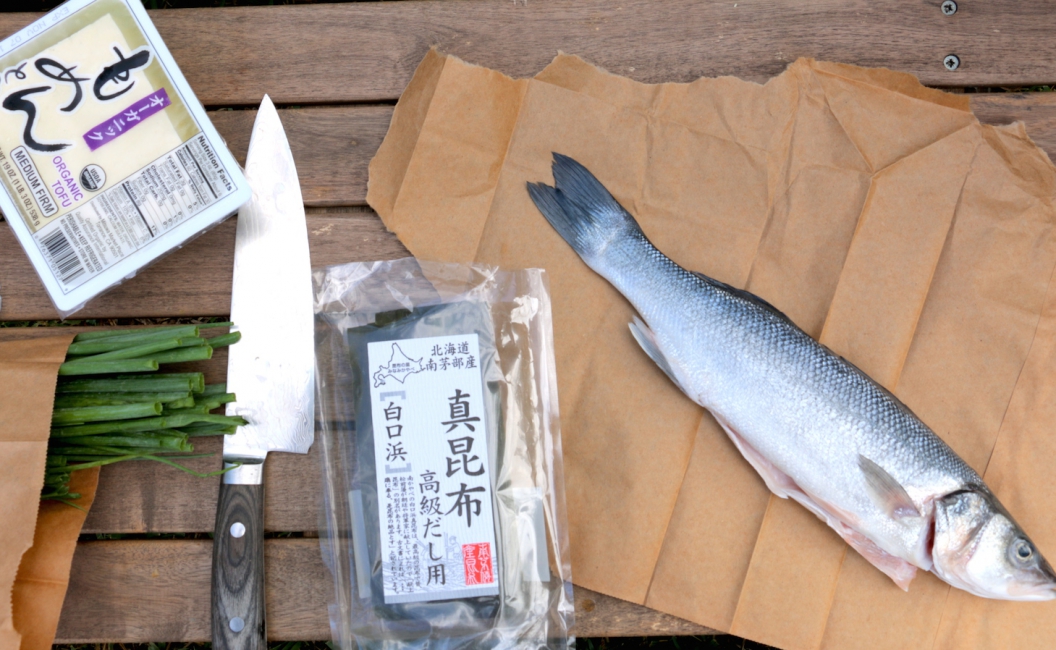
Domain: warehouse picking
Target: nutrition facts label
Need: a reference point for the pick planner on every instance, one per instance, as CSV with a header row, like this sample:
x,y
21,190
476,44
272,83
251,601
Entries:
x,y
131,214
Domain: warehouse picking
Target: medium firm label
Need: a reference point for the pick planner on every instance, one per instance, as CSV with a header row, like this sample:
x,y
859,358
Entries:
x,y
434,482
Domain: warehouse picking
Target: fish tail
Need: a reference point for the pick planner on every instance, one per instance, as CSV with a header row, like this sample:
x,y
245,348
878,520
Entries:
x,y
581,210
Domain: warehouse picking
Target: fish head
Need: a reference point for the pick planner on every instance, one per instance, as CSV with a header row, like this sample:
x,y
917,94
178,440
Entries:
x,y
978,547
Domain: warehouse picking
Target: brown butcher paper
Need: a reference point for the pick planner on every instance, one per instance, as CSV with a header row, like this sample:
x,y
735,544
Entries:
x,y
880,215
37,539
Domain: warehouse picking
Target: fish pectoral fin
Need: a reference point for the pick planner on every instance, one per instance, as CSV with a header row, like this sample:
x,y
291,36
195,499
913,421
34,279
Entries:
x,y
900,571
886,492
645,337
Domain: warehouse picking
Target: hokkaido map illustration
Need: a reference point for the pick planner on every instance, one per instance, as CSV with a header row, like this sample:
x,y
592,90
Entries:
x,y
398,367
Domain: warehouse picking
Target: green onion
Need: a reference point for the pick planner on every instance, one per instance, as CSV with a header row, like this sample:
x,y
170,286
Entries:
x,y
222,431
103,420
192,341
213,389
141,332
71,400
107,367
148,424
183,402
182,382
207,429
149,440
132,352
183,355
138,337
224,340
215,401
82,414
197,379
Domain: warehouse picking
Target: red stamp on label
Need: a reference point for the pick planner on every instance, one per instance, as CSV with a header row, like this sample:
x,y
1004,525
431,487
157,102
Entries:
x,y
476,559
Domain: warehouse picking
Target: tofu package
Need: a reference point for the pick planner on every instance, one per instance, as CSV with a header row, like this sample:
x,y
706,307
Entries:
x,y
107,159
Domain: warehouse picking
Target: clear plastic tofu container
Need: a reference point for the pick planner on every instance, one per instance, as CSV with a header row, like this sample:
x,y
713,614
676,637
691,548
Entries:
x,y
107,159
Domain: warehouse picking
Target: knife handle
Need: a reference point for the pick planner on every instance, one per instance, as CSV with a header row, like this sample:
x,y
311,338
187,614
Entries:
x,y
238,569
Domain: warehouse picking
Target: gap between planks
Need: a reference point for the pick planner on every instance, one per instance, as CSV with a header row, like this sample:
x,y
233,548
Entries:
x,y
158,590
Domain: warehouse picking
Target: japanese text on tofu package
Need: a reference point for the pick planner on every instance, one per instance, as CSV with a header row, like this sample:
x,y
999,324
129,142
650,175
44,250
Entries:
x,y
107,159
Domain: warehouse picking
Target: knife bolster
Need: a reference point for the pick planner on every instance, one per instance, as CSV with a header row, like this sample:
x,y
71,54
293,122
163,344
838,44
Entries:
x,y
245,474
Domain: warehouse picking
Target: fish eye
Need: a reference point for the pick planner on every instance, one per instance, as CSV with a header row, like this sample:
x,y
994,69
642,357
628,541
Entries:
x,y
1023,550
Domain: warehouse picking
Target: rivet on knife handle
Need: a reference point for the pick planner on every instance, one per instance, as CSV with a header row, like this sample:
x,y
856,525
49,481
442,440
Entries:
x,y
238,569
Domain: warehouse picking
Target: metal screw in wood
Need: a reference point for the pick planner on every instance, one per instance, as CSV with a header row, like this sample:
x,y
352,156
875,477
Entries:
x,y
949,7
952,62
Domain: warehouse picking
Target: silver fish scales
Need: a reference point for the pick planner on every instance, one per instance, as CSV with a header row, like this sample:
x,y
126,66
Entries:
x,y
816,428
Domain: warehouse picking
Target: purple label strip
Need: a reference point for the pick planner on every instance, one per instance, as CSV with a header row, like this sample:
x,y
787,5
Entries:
x,y
126,119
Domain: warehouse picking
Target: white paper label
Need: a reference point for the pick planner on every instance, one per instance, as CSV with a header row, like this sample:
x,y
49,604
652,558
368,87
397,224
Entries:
x,y
434,482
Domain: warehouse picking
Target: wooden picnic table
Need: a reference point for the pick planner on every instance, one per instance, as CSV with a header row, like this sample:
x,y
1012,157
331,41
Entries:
x,y
336,71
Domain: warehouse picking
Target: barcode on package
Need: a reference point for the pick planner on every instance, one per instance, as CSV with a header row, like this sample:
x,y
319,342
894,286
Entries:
x,y
63,257
133,213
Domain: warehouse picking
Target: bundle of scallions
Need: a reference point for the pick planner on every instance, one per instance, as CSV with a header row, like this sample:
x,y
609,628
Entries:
x,y
112,405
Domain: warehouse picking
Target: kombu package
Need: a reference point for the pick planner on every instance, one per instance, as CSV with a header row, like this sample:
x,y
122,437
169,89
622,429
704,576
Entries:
x,y
444,518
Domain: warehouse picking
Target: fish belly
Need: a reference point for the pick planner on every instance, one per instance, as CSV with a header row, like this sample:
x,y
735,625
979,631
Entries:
x,y
843,522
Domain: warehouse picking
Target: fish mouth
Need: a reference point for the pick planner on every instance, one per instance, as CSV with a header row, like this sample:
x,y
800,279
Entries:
x,y
1034,592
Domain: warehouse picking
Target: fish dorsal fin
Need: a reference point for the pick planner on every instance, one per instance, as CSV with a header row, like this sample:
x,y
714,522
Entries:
x,y
886,491
745,295
645,337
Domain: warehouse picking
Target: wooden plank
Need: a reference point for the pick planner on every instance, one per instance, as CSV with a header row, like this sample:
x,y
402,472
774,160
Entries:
x,y
331,146
366,52
195,280
1036,110
145,497
158,590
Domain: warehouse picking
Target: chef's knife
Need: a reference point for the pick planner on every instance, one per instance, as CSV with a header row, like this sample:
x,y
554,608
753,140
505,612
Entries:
x,y
271,372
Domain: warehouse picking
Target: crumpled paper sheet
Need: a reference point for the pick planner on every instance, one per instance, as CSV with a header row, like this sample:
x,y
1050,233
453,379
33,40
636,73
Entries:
x,y
880,215
37,539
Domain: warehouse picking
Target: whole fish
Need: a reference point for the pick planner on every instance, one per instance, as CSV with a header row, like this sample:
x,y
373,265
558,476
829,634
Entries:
x,y
815,427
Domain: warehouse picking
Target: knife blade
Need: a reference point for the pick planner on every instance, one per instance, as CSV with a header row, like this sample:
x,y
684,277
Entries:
x,y
271,371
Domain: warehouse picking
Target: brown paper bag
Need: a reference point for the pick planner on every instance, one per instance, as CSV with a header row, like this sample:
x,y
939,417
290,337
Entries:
x,y
878,214
44,574
37,539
